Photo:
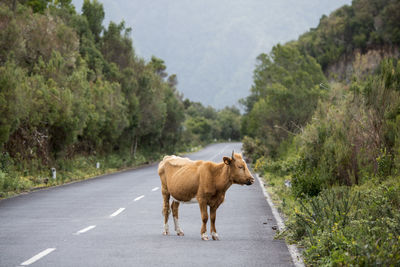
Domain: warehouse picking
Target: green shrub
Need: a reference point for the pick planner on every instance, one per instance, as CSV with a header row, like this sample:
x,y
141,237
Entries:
x,y
5,161
307,184
2,180
385,164
7,182
10,183
350,226
278,167
253,148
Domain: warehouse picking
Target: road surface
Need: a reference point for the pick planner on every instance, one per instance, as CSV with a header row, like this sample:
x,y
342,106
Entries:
x,y
116,220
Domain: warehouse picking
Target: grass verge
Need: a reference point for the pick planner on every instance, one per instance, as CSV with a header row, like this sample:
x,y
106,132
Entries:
x,y
17,178
358,225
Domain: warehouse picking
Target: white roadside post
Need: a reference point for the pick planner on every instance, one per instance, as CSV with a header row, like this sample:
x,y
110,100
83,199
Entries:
x,y
98,165
54,173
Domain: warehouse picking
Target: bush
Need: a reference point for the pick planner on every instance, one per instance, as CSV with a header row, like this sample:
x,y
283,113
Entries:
x,y
253,148
10,183
352,136
277,167
307,184
2,180
5,161
7,183
350,226
385,164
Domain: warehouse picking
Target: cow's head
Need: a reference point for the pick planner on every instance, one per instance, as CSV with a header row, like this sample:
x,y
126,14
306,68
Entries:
x,y
239,173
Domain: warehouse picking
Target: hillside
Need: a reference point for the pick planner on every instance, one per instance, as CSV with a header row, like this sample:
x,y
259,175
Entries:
x,y
212,45
366,31
322,125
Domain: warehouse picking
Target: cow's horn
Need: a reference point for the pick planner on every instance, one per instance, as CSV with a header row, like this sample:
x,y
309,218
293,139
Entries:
x,y
233,155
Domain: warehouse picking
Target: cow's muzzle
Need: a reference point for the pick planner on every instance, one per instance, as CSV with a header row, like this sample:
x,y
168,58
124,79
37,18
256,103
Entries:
x,y
250,181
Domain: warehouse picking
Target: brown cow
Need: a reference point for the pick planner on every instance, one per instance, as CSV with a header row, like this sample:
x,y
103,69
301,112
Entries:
x,y
205,182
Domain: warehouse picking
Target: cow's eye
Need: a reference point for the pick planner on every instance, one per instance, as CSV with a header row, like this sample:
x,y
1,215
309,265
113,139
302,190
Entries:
x,y
240,167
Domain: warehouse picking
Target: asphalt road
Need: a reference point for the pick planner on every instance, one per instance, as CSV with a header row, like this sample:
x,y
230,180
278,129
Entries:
x,y
116,220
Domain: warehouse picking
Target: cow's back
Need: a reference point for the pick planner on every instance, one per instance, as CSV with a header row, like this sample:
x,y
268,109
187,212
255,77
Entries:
x,y
173,161
179,176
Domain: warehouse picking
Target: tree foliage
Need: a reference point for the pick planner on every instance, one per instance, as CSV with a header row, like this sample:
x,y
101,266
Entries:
x,y
71,87
363,25
205,124
284,95
94,13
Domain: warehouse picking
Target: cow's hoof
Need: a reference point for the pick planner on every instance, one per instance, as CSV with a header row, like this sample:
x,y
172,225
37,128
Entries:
x,y
180,233
214,236
165,233
204,237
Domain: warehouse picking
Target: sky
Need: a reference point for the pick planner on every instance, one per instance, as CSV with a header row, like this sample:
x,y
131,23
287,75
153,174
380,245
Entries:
x,y
212,45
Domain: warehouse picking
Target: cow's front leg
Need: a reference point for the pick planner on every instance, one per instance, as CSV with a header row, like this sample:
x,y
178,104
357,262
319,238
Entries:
x,y
204,218
175,208
213,216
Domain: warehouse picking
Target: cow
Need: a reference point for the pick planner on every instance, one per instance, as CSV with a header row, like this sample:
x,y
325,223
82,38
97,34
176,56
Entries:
x,y
202,182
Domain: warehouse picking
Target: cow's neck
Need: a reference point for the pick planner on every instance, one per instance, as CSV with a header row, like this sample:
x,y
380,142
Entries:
x,y
223,181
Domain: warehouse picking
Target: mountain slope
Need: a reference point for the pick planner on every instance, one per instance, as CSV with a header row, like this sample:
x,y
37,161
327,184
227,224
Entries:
x,y
212,45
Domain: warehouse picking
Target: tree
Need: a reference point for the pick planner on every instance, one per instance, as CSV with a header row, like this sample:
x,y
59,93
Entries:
x,y
13,97
38,5
229,120
117,45
172,129
158,66
284,94
94,13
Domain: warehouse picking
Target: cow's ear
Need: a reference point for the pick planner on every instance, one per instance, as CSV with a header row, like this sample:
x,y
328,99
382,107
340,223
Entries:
x,y
227,160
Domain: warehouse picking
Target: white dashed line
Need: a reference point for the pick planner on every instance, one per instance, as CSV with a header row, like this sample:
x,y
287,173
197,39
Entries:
x,y
117,212
155,189
38,256
139,198
85,229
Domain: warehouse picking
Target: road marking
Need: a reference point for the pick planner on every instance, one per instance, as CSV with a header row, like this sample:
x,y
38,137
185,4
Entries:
x,y
139,198
84,230
117,212
38,256
155,189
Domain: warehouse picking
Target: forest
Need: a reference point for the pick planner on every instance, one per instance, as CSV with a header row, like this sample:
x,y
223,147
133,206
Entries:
x,y
322,126
74,93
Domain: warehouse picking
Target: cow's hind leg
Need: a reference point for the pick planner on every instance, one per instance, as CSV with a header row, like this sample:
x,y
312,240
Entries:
x,y
166,211
204,218
175,208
